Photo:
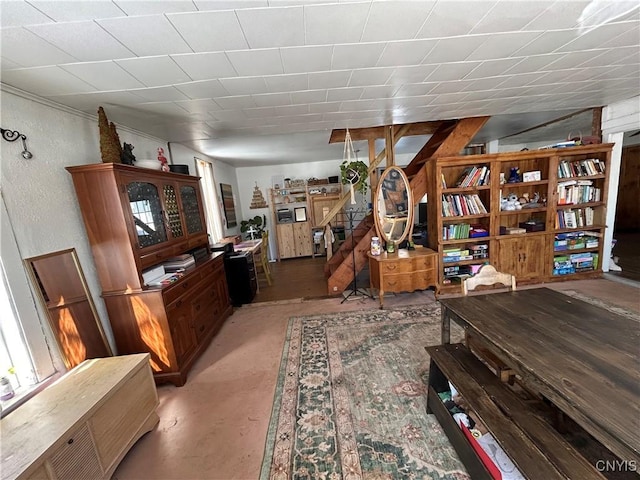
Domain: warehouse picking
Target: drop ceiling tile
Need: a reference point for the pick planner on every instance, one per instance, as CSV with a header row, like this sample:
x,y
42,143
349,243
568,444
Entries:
x,y
445,20
163,108
155,71
309,96
233,113
408,52
202,89
207,5
631,37
103,75
306,59
545,43
412,74
534,63
492,68
501,45
321,21
361,55
237,102
451,71
256,62
451,86
244,85
89,102
510,16
399,20
71,11
370,76
45,81
7,64
147,7
325,107
261,112
483,84
28,50
292,110
595,38
205,66
287,83
162,94
272,99
146,36
19,13
570,60
334,79
379,91
454,49
449,98
199,106
272,27
522,80
415,89
356,105
210,31
86,41
344,94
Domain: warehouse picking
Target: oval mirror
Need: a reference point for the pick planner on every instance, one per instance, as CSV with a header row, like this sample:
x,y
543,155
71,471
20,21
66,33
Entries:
x,y
393,206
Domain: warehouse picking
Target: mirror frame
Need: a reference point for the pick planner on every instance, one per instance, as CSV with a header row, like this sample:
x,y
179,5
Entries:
x,y
67,261
410,206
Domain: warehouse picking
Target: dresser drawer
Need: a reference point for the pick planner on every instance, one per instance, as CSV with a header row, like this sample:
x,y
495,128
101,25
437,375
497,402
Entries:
x,y
396,267
424,262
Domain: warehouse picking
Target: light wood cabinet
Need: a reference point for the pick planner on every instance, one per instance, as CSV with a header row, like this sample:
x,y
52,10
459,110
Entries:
x,y
522,256
82,425
403,271
137,218
561,234
294,239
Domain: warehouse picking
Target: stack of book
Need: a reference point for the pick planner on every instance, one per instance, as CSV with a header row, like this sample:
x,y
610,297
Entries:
x,y
179,263
456,254
473,177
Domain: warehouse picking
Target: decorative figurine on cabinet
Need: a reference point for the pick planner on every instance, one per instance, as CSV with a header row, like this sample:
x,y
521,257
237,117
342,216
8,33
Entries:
x,y
127,157
163,160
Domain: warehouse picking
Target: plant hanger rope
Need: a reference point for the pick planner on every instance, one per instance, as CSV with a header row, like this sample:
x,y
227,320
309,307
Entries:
x,y
354,172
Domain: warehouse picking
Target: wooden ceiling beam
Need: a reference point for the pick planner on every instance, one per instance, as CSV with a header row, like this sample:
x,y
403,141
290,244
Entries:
x,y
369,133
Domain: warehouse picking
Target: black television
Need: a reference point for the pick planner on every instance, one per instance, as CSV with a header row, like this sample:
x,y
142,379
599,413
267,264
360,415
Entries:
x,y
421,217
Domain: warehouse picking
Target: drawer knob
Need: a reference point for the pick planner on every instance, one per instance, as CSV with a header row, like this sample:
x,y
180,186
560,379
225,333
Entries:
x,y
70,441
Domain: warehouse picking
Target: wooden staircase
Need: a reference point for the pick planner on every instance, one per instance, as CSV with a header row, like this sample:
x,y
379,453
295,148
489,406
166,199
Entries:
x,y
448,138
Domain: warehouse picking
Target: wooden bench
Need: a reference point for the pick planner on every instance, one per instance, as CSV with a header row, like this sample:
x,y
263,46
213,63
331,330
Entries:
x,y
533,445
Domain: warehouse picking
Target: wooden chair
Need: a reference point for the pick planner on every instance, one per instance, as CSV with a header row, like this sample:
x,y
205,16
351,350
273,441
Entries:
x,y
264,259
489,276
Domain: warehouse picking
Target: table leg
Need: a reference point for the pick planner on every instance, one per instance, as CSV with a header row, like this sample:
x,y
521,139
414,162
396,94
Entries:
x,y
446,326
381,294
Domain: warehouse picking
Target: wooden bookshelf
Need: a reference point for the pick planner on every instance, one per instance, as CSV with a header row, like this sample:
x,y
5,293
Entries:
x,y
530,256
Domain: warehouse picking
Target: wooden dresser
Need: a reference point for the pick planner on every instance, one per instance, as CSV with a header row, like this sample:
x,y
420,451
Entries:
x,y
403,271
137,218
83,425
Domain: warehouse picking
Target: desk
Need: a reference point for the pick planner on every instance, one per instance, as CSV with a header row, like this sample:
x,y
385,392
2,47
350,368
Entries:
x,y
403,271
581,357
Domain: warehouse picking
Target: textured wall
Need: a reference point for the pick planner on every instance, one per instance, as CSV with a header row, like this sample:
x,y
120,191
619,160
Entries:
x,y
39,194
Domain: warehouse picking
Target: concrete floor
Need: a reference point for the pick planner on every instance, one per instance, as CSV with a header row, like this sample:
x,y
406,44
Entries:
x,y
215,426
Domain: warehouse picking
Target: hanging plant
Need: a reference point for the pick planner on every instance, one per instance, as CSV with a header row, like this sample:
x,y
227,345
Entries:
x,y
356,173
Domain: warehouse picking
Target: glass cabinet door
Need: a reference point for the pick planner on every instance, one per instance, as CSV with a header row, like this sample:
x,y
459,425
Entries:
x,y
172,211
146,209
191,209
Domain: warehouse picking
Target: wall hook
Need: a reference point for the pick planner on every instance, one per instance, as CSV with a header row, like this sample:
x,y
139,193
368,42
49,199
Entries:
x,y
12,136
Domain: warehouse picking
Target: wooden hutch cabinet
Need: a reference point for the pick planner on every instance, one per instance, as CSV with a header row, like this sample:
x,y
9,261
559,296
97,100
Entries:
x,y
137,218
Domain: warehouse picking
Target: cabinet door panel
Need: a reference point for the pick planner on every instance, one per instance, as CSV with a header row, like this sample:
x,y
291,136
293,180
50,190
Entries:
x,y
286,240
302,235
172,211
77,458
146,210
182,334
191,209
117,421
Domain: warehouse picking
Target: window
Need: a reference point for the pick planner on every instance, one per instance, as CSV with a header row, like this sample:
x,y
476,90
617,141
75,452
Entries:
x,y
212,206
23,341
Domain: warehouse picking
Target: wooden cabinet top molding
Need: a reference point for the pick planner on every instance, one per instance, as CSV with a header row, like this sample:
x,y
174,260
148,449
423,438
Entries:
x,y
120,167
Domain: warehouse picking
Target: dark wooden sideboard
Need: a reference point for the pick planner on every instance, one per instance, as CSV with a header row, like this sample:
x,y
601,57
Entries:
x,y
136,218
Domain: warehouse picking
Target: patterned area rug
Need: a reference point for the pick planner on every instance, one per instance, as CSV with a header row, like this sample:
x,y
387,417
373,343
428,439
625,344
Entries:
x,y
351,398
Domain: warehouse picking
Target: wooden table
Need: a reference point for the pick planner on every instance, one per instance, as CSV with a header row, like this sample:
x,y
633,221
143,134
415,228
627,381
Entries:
x,y
403,271
583,358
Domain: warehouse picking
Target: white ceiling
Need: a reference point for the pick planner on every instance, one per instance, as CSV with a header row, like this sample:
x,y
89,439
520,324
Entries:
x,y
258,82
